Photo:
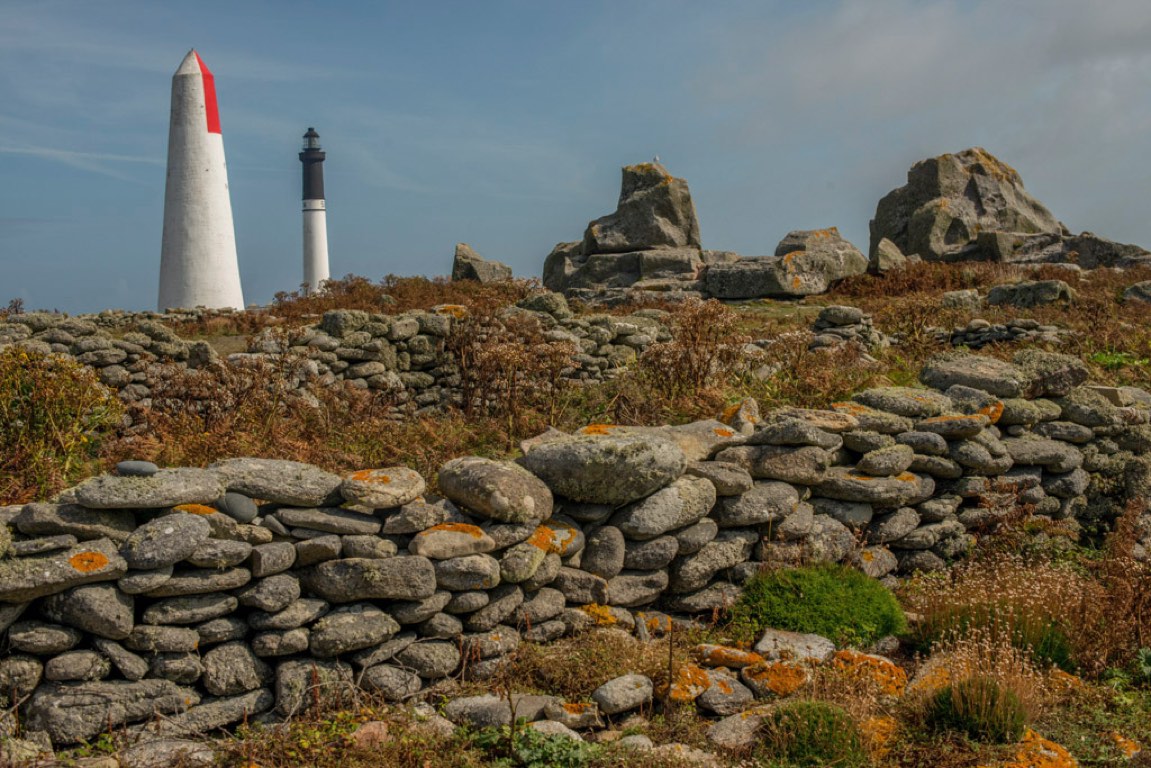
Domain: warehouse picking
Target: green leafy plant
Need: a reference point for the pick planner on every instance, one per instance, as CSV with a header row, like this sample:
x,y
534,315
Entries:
x,y
831,600
529,748
813,733
982,708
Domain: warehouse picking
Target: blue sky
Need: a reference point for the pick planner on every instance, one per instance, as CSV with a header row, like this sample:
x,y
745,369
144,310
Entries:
x,y
504,123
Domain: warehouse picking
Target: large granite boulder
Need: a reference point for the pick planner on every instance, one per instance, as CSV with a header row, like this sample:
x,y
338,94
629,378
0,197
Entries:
x,y
806,262
949,200
1086,250
653,234
469,265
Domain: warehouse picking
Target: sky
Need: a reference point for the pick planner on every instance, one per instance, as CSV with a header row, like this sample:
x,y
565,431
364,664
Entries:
x,y
505,123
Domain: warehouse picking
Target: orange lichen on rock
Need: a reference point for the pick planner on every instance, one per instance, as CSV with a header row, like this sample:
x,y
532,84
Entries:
x,y
729,413
1038,752
458,311
722,432
687,685
726,656
600,613
878,734
993,411
890,679
1064,682
577,708
370,476
563,536
195,509
1129,747
543,538
87,562
597,429
782,678
470,530
657,624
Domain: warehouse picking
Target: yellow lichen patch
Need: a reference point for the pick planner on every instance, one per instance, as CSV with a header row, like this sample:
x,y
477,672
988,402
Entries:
x,y
850,407
933,677
1038,752
1129,747
953,417
597,429
782,678
87,562
796,282
878,734
600,613
370,476
729,413
657,624
458,311
195,509
867,555
721,432
687,685
906,477
575,708
470,530
726,656
890,679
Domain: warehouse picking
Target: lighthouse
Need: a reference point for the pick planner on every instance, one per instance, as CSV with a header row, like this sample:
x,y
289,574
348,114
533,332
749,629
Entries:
x,y
198,265
315,214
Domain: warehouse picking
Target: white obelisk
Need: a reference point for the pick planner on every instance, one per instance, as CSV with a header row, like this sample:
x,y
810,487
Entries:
x,y
198,265
315,214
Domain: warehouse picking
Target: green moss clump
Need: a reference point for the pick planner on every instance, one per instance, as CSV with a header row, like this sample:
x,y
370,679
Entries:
x,y
835,601
813,733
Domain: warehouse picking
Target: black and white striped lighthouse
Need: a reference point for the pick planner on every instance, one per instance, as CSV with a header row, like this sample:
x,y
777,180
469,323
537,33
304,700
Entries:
x,y
315,213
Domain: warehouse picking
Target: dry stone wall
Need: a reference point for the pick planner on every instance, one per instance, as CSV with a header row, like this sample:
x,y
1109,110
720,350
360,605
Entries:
x,y
406,355
218,594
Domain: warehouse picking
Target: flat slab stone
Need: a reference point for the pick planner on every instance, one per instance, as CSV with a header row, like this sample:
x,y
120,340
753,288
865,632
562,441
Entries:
x,y
166,488
329,520
606,469
352,579
74,712
283,482
846,484
383,488
27,578
75,520
794,646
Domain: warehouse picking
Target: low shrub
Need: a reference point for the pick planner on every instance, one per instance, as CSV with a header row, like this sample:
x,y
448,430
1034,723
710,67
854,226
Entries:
x,y
831,600
54,417
980,707
813,733
523,747
1043,607
980,683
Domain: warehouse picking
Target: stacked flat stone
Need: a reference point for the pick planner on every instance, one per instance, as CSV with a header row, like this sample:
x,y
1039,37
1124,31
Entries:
x,y
406,355
251,587
839,325
979,333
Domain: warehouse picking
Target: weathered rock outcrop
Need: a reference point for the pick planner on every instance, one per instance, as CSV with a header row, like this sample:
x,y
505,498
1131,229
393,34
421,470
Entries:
x,y
652,236
970,206
806,262
469,265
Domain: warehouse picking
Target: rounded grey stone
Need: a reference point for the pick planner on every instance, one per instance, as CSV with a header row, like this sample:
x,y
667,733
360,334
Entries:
x,y
766,502
350,628
273,558
606,470
468,572
391,682
604,552
99,609
237,506
222,630
220,553
495,490
182,668
623,694
681,504
231,669
287,643
139,582
41,638
651,555
279,481
692,538
77,665
275,593
134,468
430,660
165,541
467,602
396,578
